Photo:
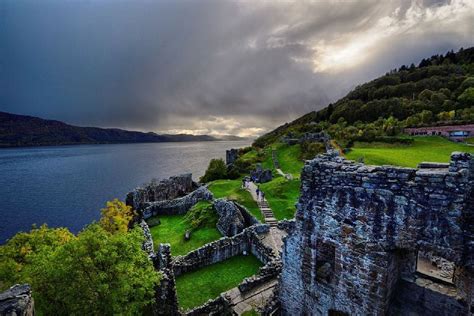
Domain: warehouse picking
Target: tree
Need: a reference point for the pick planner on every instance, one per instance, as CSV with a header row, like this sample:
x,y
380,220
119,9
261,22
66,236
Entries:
x,y
21,248
97,273
467,97
215,171
116,216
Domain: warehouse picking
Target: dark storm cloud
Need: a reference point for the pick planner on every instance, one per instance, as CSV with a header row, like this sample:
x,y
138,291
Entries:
x,y
209,66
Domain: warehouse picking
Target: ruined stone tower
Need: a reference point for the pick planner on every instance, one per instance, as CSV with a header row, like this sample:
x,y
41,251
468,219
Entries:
x,y
381,240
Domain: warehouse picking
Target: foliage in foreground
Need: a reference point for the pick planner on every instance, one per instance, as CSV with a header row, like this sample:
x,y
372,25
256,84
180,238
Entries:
x,y
95,272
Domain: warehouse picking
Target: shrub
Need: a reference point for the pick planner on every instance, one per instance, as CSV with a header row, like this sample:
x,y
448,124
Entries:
x,y
309,150
215,171
202,214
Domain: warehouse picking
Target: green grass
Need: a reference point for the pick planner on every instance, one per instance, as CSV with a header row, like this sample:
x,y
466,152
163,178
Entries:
x,y
282,194
470,140
288,157
195,288
232,190
250,313
432,148
172,229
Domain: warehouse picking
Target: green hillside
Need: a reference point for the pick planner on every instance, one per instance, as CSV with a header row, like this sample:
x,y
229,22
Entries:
x,y
440,90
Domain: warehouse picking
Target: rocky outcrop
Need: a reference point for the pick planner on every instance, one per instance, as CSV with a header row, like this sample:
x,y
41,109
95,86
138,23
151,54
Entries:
x,y
231,222
176,206
17,301
261,175
167,189
358,230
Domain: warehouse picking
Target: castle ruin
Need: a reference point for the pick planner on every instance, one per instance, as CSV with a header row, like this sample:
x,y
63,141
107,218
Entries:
x,y
381,240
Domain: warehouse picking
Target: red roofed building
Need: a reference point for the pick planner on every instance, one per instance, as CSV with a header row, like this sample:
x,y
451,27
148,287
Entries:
x,y
454,132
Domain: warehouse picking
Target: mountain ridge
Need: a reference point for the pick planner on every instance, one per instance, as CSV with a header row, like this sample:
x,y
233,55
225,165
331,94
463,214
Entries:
x,y
23,131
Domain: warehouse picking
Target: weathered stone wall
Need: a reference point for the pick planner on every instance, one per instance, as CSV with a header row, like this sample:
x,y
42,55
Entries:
x,y
358,229
167,189
223,249
166,301
17,301
177,206
220,306
231,222
231,156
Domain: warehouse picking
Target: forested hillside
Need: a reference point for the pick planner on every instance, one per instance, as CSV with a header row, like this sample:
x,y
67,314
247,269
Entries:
x,y
440,90
21,130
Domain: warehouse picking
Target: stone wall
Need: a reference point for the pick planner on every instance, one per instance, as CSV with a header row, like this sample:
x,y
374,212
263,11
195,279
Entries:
x,y
17,301
177,206
231,156
220,306
166,301
167,189
223,249
358,229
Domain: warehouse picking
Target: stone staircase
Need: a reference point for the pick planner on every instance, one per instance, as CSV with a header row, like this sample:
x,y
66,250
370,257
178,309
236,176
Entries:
x,y
267,213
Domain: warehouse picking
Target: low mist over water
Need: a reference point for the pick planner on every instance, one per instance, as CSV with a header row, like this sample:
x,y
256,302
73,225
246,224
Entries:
x,y
68,185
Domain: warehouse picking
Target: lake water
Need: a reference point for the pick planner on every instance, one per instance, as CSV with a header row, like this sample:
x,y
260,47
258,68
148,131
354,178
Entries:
x,y
68,185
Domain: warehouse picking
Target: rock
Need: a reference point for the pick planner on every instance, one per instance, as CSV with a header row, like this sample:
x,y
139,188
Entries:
x,y
17,301
187,235
231,222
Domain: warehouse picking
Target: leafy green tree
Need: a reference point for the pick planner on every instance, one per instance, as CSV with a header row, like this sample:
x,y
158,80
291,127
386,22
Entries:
x,y
467,97
21,248
116,216
97,273
215,171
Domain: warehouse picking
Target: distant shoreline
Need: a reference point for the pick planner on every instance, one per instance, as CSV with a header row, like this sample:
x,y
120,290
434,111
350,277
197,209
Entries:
x,y
118,143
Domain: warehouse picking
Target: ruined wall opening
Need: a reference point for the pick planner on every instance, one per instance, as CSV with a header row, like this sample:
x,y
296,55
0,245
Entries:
x,y
325,261
333,312
434,267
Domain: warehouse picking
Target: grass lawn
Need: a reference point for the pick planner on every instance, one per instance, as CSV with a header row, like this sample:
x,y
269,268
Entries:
x,y
432,148
470,140
288,157
172,229
232,190
195,288
282,194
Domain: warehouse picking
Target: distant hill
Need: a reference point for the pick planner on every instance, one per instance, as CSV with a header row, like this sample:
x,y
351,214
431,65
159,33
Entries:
x,y
20,130
440,90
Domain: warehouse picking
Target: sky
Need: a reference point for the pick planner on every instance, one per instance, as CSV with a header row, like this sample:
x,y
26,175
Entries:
x,y
209,66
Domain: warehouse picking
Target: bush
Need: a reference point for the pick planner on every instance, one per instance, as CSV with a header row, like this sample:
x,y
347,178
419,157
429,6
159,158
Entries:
x,y
116,216
201,215
309,150
215,171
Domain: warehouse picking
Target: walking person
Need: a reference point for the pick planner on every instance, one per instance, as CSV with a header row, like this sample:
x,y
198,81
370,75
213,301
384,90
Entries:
x,y
262,194
258,193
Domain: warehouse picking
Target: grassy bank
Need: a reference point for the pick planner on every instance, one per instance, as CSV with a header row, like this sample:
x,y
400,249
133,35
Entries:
x,y
172,230
282,194
195,288
232,190
433,148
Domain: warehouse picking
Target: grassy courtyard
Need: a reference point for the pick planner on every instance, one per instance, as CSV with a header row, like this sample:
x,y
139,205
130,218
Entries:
x,y
172,230
195,288
232,190
432,148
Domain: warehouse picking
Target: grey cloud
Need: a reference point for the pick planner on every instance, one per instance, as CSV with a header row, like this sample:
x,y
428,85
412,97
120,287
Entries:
x,y
179,65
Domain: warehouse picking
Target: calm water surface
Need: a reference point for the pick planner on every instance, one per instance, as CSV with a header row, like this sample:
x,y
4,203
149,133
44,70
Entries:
x,y
68,185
